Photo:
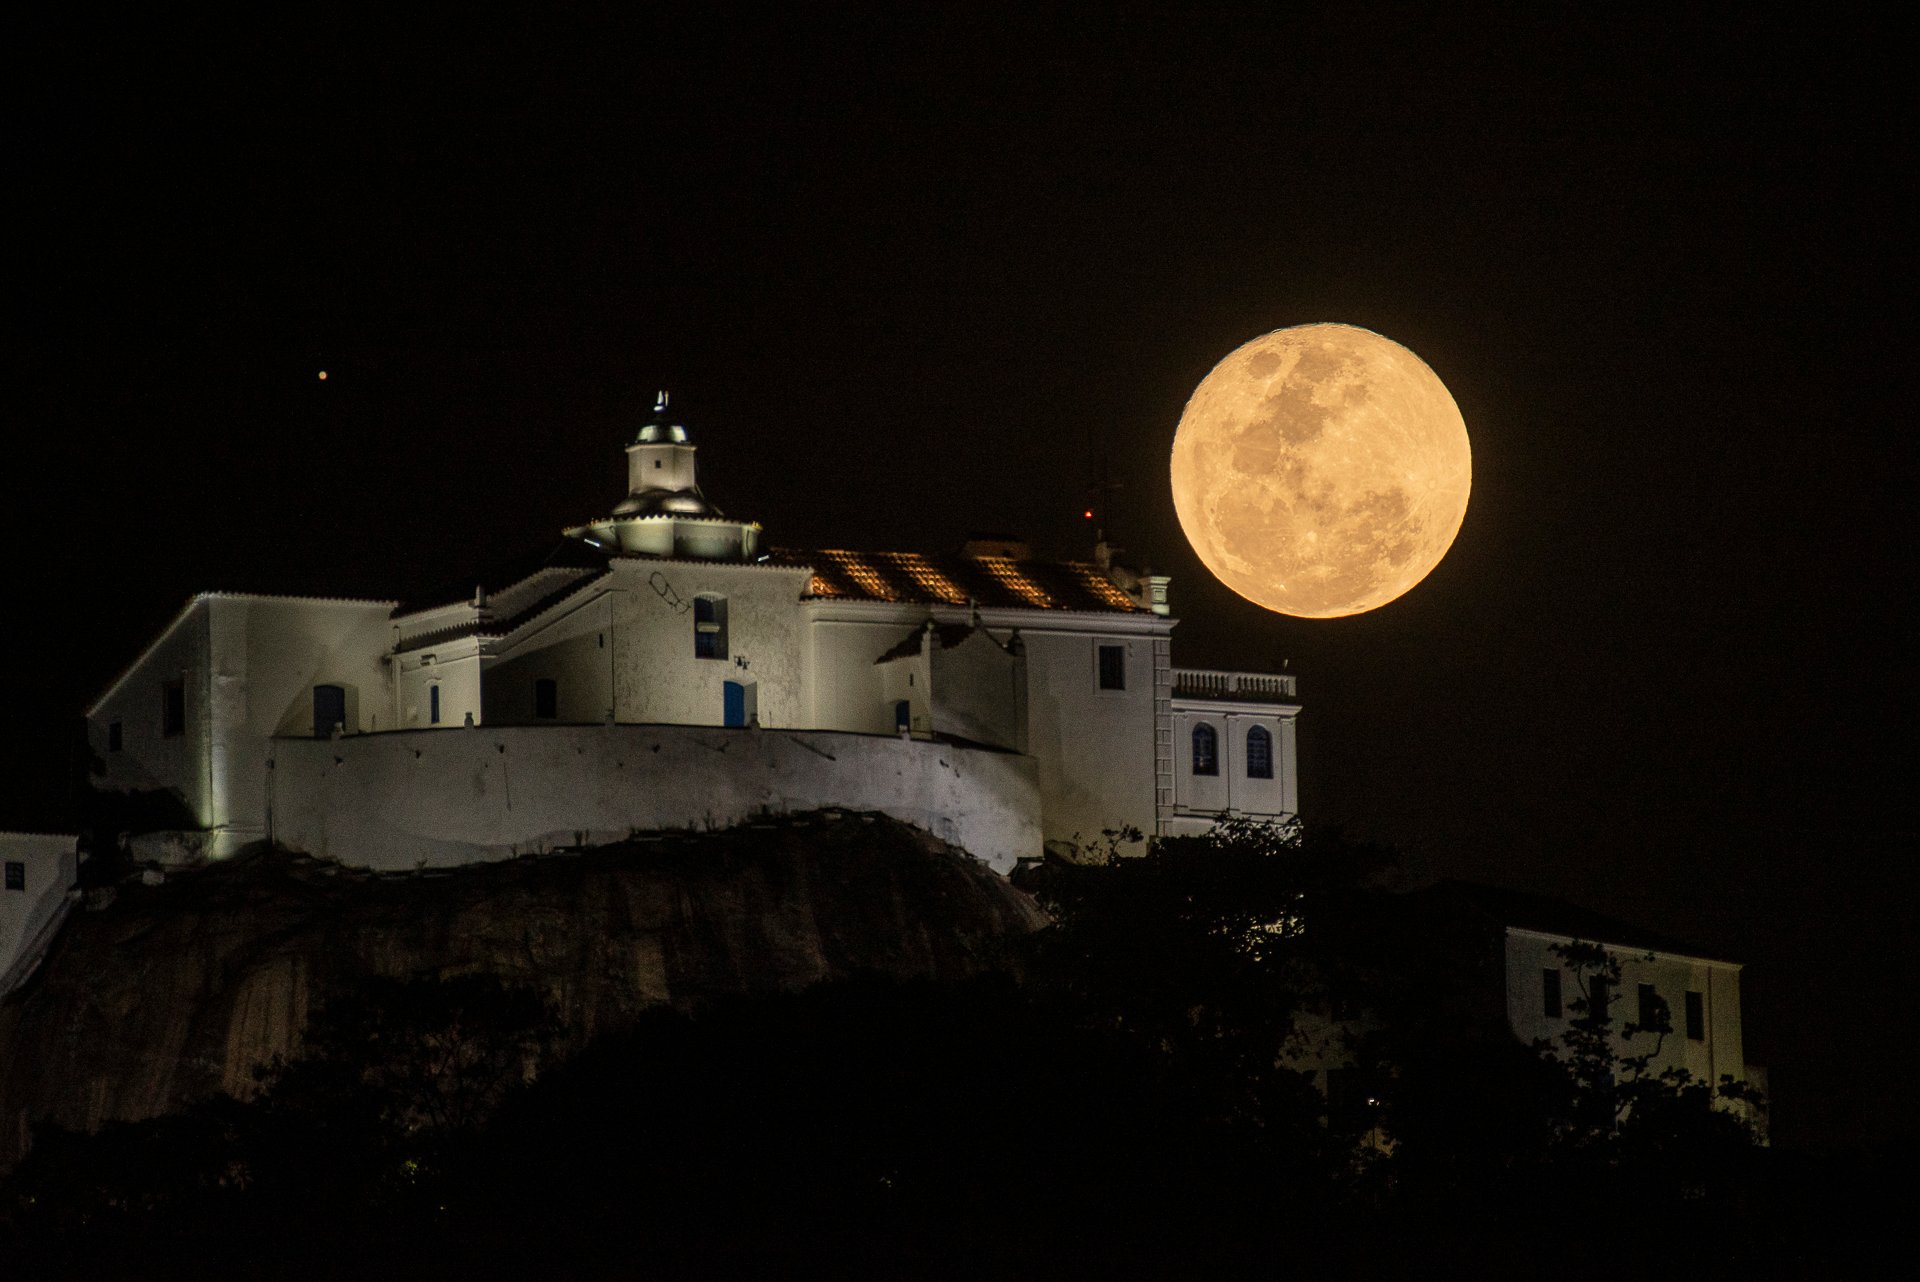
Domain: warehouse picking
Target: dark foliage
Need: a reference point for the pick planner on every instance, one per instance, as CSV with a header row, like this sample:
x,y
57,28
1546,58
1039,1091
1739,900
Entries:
x,y
1120,1110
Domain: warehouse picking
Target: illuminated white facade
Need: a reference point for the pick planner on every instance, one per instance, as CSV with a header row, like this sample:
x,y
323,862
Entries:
x,y
668,614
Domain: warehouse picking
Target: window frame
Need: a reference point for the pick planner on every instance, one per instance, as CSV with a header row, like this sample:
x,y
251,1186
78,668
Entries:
x,y
1212,759
1552,1003
710,640
16,875
1102,651
1266,752
1696,1004
546,699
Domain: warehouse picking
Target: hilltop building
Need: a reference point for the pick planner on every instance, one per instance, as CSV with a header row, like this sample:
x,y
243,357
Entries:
x,y
38,871
666,667
1514,964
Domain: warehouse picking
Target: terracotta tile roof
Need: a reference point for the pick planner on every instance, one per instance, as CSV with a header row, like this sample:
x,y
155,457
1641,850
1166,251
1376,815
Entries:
x,y
994,582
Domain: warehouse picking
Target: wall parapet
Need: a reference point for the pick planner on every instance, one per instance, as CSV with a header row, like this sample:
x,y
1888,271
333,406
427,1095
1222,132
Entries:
x,y
436,798
1236,687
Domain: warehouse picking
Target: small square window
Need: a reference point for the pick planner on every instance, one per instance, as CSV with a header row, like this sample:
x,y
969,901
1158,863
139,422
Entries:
x,y
1550,993
113,736
1113,667
16,875
1696,1017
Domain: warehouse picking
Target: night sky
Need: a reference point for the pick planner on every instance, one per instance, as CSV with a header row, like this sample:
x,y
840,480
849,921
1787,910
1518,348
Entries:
x,y
913,272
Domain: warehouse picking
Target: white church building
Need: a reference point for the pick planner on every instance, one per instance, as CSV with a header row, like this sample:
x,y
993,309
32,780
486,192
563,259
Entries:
x,y
667,668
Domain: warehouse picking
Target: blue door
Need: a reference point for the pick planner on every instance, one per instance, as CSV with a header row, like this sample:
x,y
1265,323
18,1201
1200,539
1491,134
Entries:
x,y
736,704
329,710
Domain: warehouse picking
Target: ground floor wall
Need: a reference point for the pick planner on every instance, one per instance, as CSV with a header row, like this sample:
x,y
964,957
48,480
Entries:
x,y
425,798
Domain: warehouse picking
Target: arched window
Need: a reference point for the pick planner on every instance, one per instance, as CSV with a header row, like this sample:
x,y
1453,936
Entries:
x,y
1206,750
1259,753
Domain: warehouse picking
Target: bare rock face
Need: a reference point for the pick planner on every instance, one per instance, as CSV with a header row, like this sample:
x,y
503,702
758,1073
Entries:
x,y
169,993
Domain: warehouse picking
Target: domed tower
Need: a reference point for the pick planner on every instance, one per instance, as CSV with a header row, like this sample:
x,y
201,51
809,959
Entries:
x,y
664,513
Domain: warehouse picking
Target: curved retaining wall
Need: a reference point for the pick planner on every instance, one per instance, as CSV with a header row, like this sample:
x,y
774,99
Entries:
x,y
435,798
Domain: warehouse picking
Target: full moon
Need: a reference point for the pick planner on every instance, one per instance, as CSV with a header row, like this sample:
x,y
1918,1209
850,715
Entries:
x,y
1321,470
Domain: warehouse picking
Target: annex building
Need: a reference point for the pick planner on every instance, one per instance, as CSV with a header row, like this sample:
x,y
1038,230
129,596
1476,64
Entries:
x,y
667,667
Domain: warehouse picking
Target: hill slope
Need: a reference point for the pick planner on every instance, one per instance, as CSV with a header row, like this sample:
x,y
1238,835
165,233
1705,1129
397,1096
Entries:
x,y
169,993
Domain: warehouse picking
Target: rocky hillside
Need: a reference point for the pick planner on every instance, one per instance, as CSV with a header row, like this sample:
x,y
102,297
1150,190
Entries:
x,y
156,995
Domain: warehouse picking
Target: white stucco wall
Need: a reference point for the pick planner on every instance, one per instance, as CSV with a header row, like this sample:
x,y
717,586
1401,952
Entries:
x,y
848,689
413,798
30,916
250,665
1094,746
1199,799
1721,1051
979,691
658,678
575,649
454,668
268,655
147,758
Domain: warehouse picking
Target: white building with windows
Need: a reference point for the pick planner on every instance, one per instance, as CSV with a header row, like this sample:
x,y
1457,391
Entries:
x,y
1656,997
665,667
37,875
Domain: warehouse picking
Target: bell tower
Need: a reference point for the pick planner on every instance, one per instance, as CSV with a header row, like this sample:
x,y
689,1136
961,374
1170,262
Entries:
x,y
661,456
664,513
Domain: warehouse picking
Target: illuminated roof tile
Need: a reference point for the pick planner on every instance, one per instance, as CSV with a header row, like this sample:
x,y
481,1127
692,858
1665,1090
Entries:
x,y
991,582
1004,570
928,579
868,579
1104,588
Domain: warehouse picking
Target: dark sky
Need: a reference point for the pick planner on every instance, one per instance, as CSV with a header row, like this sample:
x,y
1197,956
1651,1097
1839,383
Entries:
x,y
913,271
